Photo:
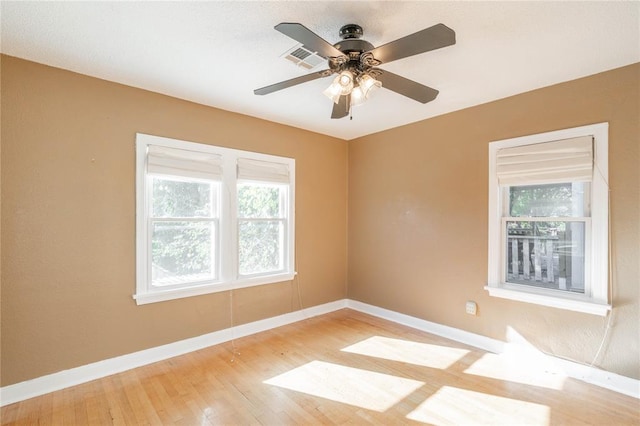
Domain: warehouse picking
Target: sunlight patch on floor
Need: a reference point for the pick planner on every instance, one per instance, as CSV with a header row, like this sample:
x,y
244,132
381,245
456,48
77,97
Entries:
x,y
518,370
422,354
204,420
454,406
353,386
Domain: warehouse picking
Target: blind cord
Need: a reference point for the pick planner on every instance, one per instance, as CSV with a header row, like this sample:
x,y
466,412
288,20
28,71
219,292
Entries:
x,y
611,266
296,281
234,350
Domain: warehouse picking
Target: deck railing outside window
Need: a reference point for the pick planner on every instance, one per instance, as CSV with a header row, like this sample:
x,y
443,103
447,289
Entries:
x,y
551,259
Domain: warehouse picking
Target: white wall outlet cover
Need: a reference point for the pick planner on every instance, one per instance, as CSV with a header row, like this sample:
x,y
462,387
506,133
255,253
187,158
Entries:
x,y
471,307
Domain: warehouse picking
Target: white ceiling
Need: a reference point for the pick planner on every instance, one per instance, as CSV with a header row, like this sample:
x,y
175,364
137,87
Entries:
x,y
216,53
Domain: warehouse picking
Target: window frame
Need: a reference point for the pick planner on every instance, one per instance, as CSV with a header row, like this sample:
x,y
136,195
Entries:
x,y
595,300
228,277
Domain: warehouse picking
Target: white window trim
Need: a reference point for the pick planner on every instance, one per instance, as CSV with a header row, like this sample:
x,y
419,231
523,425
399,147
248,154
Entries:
x,y
596,302
228,278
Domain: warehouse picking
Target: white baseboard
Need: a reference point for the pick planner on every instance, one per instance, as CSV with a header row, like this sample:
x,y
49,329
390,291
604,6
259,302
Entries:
x,y
605,379
472,339
75,376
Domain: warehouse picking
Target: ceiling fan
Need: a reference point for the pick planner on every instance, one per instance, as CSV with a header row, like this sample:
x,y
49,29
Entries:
x,y
356,61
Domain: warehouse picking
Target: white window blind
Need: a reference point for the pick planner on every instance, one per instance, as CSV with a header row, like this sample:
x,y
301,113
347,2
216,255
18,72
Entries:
x,y
181,162
263,170
550,162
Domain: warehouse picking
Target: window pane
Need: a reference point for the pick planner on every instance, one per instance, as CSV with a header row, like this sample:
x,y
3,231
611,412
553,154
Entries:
x,y
562,199
260,200
261,246
546,254
182,252
182,198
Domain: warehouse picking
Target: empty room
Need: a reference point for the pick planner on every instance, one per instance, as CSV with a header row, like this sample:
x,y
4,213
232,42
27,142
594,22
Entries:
x,y
320,212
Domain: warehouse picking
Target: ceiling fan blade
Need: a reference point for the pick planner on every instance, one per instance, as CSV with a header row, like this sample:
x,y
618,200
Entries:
x,y
341,109
406,87
423,41
309,39
293,82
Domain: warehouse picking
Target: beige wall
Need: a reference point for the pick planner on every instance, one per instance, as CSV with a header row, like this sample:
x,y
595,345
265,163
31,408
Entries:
x,y
68,219
418,218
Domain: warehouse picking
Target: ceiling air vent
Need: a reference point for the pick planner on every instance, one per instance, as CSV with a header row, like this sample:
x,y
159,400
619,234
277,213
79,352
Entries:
x,y
303,57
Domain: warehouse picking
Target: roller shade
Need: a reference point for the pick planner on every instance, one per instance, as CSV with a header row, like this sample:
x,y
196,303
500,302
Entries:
x,y
180,162
549,162
263,170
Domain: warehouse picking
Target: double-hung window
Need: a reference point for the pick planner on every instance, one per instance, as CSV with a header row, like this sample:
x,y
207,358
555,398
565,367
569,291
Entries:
x,y
262,217
548,219
210,219
182,201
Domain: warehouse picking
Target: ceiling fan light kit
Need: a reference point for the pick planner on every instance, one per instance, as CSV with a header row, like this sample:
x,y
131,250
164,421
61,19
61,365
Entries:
x,y
368,85
342,85
356,61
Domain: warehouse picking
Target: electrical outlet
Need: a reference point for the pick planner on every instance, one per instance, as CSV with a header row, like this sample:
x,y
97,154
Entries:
x,y
471,307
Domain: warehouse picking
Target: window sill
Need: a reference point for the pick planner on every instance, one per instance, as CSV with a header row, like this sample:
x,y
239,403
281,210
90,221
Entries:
x,y
555,301
163,295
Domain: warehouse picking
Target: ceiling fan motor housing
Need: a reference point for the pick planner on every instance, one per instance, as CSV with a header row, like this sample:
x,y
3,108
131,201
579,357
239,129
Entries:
x,y
351,31
353,47
350,35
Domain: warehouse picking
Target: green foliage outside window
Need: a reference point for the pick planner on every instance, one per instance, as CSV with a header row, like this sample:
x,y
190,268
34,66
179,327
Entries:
x,y
184,247
181,248
552,200
259,201
541,200
179,198
261,229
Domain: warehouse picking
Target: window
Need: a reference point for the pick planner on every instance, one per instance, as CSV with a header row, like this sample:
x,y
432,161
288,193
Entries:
x,y
183,230
262,217
210,219
261,228
548,219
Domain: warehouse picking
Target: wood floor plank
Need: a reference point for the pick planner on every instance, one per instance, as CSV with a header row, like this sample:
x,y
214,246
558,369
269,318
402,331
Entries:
x,y
341,368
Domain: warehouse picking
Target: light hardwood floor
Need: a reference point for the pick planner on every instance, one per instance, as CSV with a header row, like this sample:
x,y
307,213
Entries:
x,y
341,368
